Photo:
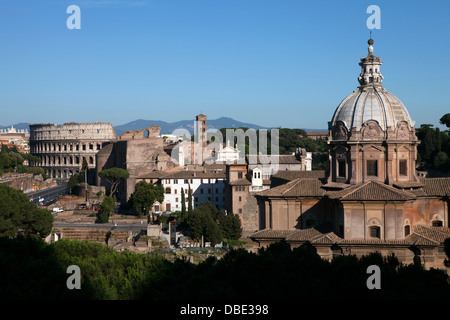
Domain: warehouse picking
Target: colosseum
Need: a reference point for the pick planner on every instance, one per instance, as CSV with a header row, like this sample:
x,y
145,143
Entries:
x,y
63,148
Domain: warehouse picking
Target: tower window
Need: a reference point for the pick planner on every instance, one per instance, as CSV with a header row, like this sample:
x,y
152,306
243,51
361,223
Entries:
x,y
374,232
402,168
372,168
341,168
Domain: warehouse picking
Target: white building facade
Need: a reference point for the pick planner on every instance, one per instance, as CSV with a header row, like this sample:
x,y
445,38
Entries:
x,y
204,186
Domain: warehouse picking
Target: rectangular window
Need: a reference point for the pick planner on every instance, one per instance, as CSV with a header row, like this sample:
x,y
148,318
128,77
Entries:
x,y
341,168
372,168
402,168
436,223
239,175
375,232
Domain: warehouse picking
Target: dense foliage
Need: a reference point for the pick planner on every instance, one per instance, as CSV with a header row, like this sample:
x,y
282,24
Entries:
x,y
106,207
213,224
434,149
19,215
289,140
74,180
144,196
11,160
113,176
275,273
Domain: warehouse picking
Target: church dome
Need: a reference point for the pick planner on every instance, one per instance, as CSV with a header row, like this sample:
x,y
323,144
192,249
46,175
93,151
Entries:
x,y
370,101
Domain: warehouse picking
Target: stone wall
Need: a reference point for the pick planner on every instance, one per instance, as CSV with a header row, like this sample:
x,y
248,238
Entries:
x,y
22,182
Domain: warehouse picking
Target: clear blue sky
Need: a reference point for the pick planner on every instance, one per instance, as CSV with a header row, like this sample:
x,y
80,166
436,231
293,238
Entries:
x,y
281,63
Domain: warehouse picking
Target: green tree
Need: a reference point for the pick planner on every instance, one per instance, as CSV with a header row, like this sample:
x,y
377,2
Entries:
x,y
202,222
183,205
144,196
445,120
189,211
19,215
441,161
113,176
427,146
447,252
106,207
74,180
230,225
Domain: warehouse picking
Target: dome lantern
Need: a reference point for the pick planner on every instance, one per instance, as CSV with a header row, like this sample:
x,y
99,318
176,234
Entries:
x,y
370,68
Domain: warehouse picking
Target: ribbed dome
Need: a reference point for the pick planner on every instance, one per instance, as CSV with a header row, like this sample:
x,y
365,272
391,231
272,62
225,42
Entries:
x,y
371,101
371,104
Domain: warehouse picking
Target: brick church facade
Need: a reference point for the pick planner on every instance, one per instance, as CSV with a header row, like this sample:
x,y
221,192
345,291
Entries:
x,y
371,198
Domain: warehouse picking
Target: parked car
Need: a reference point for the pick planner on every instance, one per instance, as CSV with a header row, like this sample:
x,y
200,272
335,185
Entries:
x,y
57,210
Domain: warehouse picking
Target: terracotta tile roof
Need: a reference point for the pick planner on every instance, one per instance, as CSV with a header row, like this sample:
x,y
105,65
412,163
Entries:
x,y
328,238
314,236
272,234
379,242
194,174
296,188
435,234
371,190
422,235
336,185
185,174
304,235
281,158
436,186
241,182
407,184
153,175
418,240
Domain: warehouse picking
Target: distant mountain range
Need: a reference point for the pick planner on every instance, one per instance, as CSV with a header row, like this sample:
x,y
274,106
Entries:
x,y
170,127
